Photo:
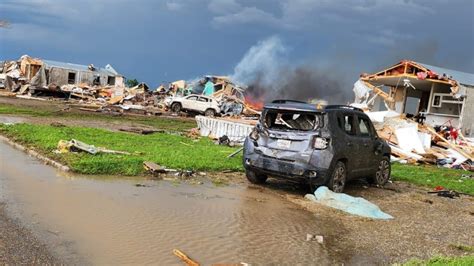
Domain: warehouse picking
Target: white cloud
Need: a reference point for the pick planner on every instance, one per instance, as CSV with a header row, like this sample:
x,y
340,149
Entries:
x,y
224,6
248,15
174,5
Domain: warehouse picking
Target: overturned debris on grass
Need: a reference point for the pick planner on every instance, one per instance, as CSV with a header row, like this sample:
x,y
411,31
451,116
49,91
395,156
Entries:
x,y
73,145
156,170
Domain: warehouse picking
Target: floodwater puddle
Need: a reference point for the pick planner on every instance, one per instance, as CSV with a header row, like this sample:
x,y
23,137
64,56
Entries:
x,y
112,221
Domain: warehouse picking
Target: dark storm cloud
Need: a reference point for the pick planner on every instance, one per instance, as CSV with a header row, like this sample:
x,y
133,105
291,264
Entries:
x,y
157,41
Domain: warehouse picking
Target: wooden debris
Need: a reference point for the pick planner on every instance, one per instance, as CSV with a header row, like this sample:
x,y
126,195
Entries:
x,y
115,100
184,258
153,167
140,130
235,152
452,146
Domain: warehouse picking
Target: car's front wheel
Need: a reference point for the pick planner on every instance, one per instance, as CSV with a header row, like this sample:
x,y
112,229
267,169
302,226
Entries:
x,y
176,107
255,178
338,178
210,113
382,175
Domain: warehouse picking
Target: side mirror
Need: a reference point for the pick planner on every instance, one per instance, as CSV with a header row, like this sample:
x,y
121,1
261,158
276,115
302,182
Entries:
x,y
378,146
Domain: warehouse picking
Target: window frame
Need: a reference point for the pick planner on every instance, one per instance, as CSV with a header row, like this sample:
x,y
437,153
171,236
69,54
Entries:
x,y
70,80
343,128
206,100
192,96
371,133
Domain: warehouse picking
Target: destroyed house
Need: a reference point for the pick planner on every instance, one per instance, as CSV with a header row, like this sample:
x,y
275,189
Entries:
x,y
440,96
60,73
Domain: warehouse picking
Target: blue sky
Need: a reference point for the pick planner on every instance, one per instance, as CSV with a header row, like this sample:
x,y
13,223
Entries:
x,y
166,40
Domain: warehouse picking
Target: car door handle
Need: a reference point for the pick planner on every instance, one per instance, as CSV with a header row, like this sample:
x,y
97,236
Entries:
x,y
349,144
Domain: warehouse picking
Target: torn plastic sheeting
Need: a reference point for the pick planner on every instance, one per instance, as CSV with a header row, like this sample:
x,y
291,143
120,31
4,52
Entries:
x,y
208,89
353,205
361,91
459,158
39,80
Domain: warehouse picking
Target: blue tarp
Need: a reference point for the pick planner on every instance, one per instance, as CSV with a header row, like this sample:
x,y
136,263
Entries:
x,y
353,205
208,89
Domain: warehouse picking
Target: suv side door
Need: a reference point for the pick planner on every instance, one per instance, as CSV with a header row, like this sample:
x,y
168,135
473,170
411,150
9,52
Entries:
x,y
349,144
189,101
366,134
202,104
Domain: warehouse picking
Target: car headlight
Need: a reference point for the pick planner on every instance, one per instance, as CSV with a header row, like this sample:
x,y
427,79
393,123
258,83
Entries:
x,y
254,134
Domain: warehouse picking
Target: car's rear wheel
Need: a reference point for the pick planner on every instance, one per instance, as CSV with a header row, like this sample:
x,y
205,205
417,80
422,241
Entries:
x,y
382,175
255,178
176,107
210,112
338,178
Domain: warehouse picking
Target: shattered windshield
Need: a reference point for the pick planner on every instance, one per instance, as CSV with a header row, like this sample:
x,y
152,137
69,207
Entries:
x,y
291,120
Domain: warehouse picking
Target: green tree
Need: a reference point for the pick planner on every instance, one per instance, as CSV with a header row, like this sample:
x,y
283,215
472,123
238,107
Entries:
x,y
131,82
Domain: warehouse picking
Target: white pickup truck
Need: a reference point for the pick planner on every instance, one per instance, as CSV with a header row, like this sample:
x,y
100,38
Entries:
x,y
195,103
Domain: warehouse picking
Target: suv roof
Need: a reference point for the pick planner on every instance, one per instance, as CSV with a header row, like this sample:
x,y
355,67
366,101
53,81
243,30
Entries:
x,y
302,106
292,105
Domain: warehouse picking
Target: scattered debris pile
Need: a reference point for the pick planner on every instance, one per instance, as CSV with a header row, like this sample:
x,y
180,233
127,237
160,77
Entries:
x,y
435,95
90,88
413,142
231,97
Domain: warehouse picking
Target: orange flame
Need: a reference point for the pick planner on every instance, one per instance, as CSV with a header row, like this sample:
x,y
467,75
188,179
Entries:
x,y
256,104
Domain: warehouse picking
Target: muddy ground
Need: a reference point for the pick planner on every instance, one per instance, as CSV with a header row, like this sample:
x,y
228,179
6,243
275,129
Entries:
x,y
19,246
424,225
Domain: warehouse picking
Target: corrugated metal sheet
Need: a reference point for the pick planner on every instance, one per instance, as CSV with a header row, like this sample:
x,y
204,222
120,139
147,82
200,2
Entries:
x,y
51,63
461,77
218,127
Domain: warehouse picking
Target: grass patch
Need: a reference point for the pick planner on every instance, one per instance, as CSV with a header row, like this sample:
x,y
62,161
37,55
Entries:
x,y
10,109
432,176
165,123
441,261
172,151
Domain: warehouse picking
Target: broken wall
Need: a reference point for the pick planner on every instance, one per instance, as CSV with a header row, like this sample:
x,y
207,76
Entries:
x,y
58,76
119,81
85,77
467,117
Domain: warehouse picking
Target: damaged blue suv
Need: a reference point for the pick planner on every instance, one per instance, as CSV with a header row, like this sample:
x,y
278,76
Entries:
x,y
320,146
